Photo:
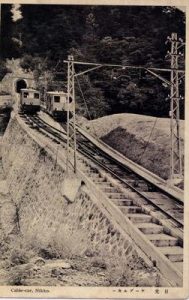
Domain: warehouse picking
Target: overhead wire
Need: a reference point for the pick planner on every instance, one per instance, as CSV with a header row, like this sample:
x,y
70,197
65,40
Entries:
x,y
85,103
148,141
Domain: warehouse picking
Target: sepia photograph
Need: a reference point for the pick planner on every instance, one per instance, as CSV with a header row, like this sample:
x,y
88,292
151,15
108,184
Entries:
x,y
93,199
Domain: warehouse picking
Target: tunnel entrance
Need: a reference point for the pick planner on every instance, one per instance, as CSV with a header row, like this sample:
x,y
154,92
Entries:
x,y
20,84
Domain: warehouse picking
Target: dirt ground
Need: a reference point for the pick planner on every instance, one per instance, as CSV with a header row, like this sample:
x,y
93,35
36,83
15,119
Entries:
x,y
17,269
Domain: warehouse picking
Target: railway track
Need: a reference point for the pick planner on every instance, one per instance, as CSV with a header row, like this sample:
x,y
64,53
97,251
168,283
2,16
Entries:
x,y
158,216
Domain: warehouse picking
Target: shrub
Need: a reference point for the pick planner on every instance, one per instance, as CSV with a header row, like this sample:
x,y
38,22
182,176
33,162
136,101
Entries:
x,y
62,243
69,243
19,252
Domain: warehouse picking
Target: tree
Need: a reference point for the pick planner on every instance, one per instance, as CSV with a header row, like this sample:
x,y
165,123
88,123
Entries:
x,y
131,35
7,46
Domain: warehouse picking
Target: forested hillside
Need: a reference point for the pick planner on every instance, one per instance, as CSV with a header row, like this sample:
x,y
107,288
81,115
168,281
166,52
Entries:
x,y
133,35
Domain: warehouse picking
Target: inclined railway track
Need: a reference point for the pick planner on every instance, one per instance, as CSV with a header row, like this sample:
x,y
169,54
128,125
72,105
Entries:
x,y
157,215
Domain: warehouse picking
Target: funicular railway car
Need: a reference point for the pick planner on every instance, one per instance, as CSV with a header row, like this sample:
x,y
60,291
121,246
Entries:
x,y
29,100
56,104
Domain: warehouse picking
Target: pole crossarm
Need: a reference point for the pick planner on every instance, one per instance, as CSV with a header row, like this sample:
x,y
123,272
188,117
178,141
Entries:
x,y
159,76
164,70
176,76
86,71
139,67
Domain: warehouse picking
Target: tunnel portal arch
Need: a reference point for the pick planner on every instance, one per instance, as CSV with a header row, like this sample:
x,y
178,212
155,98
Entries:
x,y
20,84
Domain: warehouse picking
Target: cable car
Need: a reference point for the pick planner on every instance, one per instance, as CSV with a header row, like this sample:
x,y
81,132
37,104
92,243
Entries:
x,y
29,100
56,104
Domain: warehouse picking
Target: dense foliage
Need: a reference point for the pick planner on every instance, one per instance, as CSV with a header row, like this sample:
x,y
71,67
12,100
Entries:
x,y
132,35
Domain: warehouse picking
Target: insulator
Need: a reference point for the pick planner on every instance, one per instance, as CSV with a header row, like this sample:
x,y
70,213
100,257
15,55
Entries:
x,y
181,40
164,84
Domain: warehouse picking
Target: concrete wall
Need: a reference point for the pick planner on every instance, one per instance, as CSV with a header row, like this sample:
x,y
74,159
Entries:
x,y
35,184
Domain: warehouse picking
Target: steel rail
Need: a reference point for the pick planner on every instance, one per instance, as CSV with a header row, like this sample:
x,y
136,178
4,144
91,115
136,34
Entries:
x,y
131,187
85,152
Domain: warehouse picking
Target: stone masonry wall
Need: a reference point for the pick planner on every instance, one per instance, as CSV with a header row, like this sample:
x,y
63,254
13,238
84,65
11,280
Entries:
x,y
35,186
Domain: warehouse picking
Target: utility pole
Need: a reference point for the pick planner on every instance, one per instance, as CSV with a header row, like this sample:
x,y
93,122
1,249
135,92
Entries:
x,y
71,129
175,151
176,75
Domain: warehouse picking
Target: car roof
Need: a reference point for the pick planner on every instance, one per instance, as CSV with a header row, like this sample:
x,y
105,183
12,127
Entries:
x,y
56,93
29,90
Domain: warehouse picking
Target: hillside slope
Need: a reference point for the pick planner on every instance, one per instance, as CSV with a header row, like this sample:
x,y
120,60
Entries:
x,y
143,139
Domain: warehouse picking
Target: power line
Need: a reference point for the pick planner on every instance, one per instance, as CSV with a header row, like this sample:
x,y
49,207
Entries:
x,y
120,66
85,103
147,143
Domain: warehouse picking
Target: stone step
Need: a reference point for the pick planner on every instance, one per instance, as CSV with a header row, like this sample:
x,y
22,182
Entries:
x,y
109,189
139,218
104,184
122,202
94,175
88,170
150,228
130,209
100,180
116,195
175,254
179,266
162,240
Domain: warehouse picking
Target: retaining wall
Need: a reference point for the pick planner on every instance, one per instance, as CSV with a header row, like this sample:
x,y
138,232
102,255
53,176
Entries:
x,y
35,183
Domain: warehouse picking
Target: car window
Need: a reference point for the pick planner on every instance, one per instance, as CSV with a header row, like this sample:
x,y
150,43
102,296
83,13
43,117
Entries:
x,y
56,99
25,95
36,95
